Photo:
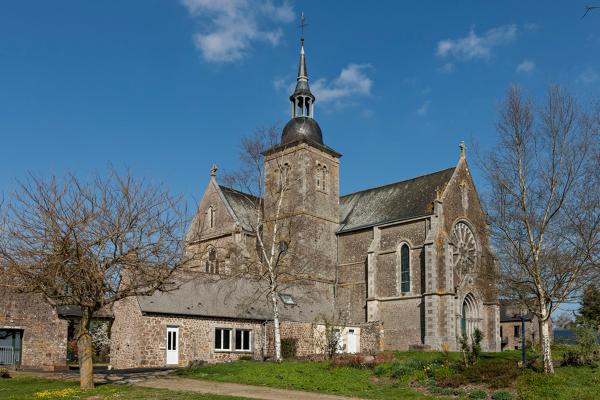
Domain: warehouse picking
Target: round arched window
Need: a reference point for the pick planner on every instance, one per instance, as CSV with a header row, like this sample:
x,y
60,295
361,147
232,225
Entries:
x,y
464,255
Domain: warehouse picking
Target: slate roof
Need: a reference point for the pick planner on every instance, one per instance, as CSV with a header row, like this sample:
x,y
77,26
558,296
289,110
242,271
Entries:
x,y
394,202
238,298
72,311
243,205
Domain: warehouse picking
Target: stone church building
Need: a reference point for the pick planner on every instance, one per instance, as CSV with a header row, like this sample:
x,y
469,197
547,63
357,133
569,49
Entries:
x,y
403,266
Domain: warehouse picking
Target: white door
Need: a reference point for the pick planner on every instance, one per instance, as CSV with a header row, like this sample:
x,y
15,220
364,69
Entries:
x,y
351,341
172,345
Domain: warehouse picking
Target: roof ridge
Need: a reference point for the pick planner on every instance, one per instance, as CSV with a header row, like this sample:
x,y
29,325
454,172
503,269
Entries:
x,y
223,187
398,182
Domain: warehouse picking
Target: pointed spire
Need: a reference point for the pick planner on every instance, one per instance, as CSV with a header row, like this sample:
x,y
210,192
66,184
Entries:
x,y
302,99
302,71
463,149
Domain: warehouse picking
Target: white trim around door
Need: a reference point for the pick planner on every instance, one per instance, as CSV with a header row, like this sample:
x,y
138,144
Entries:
x,y
172,345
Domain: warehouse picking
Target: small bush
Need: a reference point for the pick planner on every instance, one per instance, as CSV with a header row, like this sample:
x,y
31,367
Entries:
x,y
478,394
4,373
245,358
381,358
353,360
381,370
398,370
502,395
444,391
443,371
288,347
498,374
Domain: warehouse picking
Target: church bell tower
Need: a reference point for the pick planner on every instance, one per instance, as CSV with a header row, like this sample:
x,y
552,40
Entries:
x,y
303,173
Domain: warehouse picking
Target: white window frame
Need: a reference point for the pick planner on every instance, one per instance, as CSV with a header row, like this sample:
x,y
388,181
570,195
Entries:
x,y
241,350
220,331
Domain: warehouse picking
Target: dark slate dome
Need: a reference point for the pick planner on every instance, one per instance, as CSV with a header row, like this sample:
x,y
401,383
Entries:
x,y
301,128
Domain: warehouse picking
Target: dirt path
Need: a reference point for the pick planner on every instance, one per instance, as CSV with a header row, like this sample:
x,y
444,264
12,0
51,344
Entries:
x,y
159,379
234,389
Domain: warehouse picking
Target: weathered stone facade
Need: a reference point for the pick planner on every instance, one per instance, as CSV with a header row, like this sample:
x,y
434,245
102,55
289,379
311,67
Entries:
x,y
140,340
44,334
430,313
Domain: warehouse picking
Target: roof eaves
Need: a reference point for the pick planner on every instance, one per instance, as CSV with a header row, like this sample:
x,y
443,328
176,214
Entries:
x,y
390,222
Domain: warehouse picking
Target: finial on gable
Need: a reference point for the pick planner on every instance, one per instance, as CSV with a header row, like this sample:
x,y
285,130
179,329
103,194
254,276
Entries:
x,y
213,170
463,149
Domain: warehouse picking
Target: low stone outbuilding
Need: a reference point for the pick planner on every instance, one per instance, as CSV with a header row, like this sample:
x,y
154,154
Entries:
x,y
218,320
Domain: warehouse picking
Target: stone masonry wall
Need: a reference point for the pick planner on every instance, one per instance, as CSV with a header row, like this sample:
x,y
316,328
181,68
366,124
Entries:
x,y
44,334
140,340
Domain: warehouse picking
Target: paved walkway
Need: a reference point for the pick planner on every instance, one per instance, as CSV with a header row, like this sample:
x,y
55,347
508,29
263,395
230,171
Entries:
x,y
235,389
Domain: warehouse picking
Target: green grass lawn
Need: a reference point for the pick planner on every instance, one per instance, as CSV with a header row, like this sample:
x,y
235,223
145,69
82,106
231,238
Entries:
x,y
21,387
568,382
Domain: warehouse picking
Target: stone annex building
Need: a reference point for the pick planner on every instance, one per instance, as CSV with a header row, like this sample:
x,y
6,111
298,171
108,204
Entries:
x,y
405,265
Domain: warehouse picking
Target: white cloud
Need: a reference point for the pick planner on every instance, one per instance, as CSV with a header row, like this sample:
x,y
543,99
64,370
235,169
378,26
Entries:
x,y
447,68
588,76
526,66
352,82
474,46
279,84
422,111
231,27
531,26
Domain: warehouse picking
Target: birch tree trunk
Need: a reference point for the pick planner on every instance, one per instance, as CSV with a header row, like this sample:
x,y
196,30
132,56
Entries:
x,y
276,327
545,339
85,351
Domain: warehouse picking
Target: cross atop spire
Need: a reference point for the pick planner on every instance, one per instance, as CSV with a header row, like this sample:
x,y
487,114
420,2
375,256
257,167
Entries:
x,y
302,25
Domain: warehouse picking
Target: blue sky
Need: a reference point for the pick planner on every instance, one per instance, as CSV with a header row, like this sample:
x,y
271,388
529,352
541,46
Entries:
x,y
169,87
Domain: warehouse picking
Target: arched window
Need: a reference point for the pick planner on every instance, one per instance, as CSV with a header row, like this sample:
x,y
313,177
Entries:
x,y
325,178
469,316
318,177
405,268
210,215
284,176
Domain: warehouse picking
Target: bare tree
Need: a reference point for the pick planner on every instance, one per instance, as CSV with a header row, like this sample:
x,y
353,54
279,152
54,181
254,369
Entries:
x,y
542,205
90,244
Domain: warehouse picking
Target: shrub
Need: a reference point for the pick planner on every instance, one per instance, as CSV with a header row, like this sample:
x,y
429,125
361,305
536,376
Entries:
x,y
587,351
353,360
497,374
399,370
245,358
381,370
381,358
444,391
4,373
502,395
478,394
443,371
471,348
288,347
